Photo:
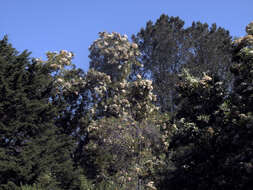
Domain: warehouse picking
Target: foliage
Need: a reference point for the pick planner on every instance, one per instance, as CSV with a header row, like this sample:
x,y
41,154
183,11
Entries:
x,y
30,148
167,47
62,128
124,149
212,147
31,187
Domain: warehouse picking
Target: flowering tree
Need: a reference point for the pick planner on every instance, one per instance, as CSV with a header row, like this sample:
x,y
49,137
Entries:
x,y
120,136
124,150
167,47
100,96
114,55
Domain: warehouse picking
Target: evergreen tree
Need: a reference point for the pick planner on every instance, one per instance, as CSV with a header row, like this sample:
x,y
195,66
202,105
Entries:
x,y
163,48
210,51
31,149
166,47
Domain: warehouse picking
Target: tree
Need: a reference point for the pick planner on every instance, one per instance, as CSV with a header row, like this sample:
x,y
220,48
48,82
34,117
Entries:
x,y
124,151
31,149
193,154
163,50
119,110
212,146
113,55
210,51
167,47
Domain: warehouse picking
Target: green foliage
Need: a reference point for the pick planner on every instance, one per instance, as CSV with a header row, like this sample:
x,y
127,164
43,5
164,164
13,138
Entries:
x,y
61,128
31,148
85,183
31,187
211,148
167,47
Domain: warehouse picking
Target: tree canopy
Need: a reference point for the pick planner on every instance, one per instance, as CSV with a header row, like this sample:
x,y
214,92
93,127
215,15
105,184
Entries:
x,y
171,109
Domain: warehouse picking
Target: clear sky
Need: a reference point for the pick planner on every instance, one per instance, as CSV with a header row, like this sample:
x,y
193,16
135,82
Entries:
x,y
52,25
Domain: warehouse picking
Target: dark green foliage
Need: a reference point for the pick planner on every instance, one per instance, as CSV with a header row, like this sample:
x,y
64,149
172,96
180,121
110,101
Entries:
x,y
199,100
194,150
31,149
72,116
167,47
212,148
210,49
164,50
55,119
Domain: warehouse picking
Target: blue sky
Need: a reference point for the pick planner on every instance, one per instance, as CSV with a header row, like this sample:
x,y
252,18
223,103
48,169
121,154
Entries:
x,y
52,25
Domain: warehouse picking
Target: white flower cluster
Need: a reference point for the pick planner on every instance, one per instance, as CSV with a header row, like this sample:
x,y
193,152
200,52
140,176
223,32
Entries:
x,y
194,82
133,97
150,185
114,52
246,43
65,85
116,46
97,83
59,60
120,98
94,76
143,84
141,96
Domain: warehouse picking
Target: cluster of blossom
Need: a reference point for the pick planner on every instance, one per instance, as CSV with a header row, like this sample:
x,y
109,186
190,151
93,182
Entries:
x,y
98,84
150,185
57,62
141,96
135,97
117,99
166,132
120,98
96,77
97,81
116,46
188,78
245,44
192,82
113,53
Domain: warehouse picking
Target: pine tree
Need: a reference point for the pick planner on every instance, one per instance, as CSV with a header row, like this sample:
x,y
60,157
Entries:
x,y
167,47
163,50
210,51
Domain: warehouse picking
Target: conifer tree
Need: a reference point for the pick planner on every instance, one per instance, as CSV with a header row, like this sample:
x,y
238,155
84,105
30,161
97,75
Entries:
x,y
167,47
31,149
